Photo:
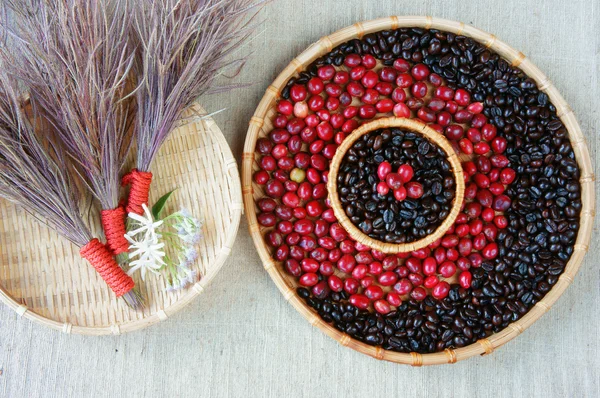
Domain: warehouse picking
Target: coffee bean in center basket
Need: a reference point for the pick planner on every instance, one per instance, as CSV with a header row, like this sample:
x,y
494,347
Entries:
x,y
396,186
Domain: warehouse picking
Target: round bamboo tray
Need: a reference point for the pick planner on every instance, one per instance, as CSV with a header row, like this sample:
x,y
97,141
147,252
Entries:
x,y
416,127
43,278
260,125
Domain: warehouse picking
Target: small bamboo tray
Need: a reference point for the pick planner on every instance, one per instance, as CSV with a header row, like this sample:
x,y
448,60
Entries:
x,y
260,126
43,278
416,127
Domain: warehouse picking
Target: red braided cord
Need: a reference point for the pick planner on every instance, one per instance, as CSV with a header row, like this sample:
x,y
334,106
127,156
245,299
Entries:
x,y
140,188
113,222
102,260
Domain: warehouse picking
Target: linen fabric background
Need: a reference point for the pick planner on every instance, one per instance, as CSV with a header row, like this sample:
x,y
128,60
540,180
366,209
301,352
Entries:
x,y
241,339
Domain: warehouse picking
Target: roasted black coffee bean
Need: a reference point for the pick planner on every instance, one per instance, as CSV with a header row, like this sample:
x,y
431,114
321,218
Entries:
x,y
395,220
542,223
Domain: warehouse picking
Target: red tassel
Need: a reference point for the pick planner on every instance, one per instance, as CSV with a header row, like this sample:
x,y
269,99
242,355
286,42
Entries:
x,y
113,222
102,260
140,188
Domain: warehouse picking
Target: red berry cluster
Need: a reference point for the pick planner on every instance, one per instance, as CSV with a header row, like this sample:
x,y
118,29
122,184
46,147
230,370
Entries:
x,y
399,183
293,169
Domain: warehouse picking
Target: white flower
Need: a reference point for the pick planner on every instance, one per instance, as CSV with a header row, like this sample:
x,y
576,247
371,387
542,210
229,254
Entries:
x,y
188,230
155,244
191,254
144,244
186,224
184,263
150,256
192,239
190,277
146,224
181,278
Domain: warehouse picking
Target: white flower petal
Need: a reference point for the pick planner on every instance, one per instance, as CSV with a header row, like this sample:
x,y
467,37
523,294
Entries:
x,y
147,211
137,231
130,239
134,267
137,217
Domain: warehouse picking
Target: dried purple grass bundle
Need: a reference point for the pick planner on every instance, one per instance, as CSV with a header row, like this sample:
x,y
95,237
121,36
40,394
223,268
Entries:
x,y
75,57
184,45
35,175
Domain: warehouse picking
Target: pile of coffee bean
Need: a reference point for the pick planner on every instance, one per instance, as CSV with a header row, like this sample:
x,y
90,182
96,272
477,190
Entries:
x,y
384,217
543,219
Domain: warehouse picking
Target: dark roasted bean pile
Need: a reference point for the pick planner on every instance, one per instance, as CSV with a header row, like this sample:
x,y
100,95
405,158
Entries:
x,y
383,217
543,218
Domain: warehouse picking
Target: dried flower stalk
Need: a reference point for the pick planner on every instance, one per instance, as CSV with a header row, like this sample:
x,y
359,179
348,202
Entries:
x,y
75,57
35,176
183,46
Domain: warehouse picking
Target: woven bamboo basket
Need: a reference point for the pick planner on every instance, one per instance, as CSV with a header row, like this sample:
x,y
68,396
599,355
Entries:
x,y
260,125
416,127
43,278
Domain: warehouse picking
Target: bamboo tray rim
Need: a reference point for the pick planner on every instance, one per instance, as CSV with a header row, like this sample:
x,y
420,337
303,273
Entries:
x,y
430,135
516,58
231,174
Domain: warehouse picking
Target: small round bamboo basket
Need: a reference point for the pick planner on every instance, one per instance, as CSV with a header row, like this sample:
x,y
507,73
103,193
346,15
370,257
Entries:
x,y
43,278
409,125
260,126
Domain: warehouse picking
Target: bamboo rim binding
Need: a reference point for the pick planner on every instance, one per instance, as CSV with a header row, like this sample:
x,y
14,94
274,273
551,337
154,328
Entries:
x,y
432,136
260,125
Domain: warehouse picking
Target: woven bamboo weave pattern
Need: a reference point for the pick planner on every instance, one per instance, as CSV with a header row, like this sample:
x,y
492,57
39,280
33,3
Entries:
x,y
43,278
286,284
423,130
